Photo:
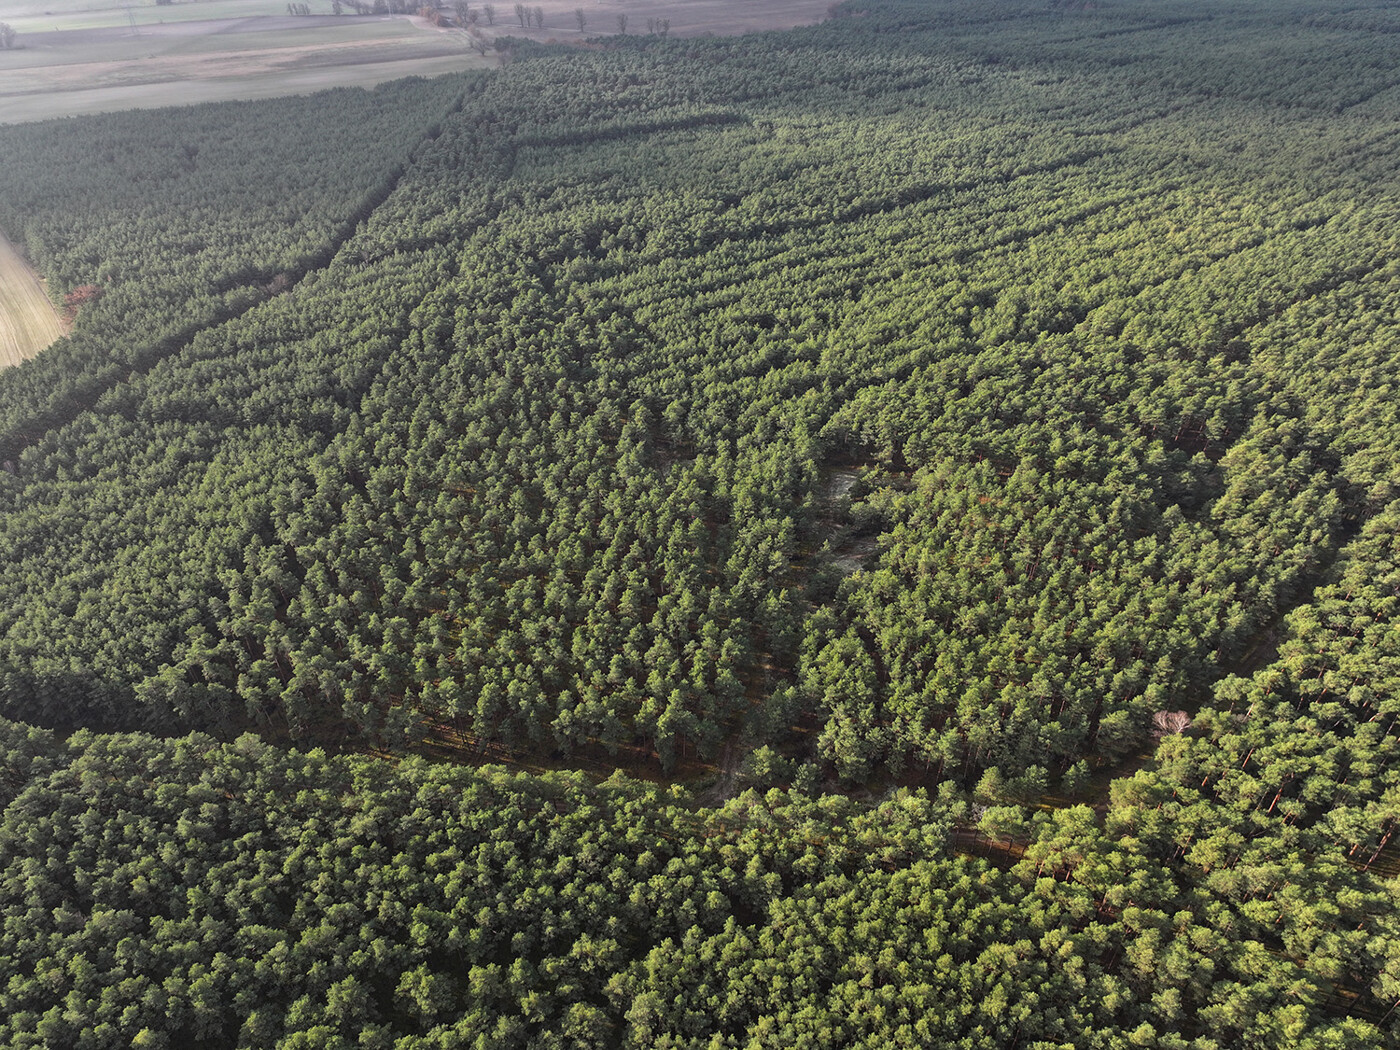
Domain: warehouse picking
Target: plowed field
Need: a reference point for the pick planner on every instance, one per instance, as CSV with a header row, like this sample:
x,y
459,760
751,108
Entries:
x,y
28,321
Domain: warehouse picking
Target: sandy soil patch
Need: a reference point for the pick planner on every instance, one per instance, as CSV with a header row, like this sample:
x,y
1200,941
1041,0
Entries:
x,y
28,321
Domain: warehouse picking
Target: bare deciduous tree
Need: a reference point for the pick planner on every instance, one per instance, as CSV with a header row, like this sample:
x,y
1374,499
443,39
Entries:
x,y
1169,723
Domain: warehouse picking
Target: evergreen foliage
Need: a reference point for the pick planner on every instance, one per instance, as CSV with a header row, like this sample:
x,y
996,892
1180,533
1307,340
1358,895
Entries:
x,y
190,893
947,393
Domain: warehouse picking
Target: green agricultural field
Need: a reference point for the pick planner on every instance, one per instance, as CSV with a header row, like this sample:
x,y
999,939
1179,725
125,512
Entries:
x,y
28,321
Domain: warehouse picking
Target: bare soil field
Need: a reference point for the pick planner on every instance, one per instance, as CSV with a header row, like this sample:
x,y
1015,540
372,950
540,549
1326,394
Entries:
x,y
94,70
28,321
91,61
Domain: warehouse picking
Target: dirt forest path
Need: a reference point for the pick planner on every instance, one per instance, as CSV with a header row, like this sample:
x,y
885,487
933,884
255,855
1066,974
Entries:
x,y
28,321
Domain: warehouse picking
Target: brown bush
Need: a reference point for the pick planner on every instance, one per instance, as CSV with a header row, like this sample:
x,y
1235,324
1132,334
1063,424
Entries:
x,y
80,297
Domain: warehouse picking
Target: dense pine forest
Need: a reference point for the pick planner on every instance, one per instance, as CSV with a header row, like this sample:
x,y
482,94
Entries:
x,y
946,460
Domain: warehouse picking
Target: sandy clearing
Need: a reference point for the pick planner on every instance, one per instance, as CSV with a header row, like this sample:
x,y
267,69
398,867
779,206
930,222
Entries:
x,y
28,321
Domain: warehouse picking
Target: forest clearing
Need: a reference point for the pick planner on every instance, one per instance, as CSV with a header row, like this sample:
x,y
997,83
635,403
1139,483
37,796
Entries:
x,y
28,321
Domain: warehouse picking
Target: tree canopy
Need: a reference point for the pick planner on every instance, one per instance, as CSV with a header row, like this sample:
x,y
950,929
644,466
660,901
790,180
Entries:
x,y
986,411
